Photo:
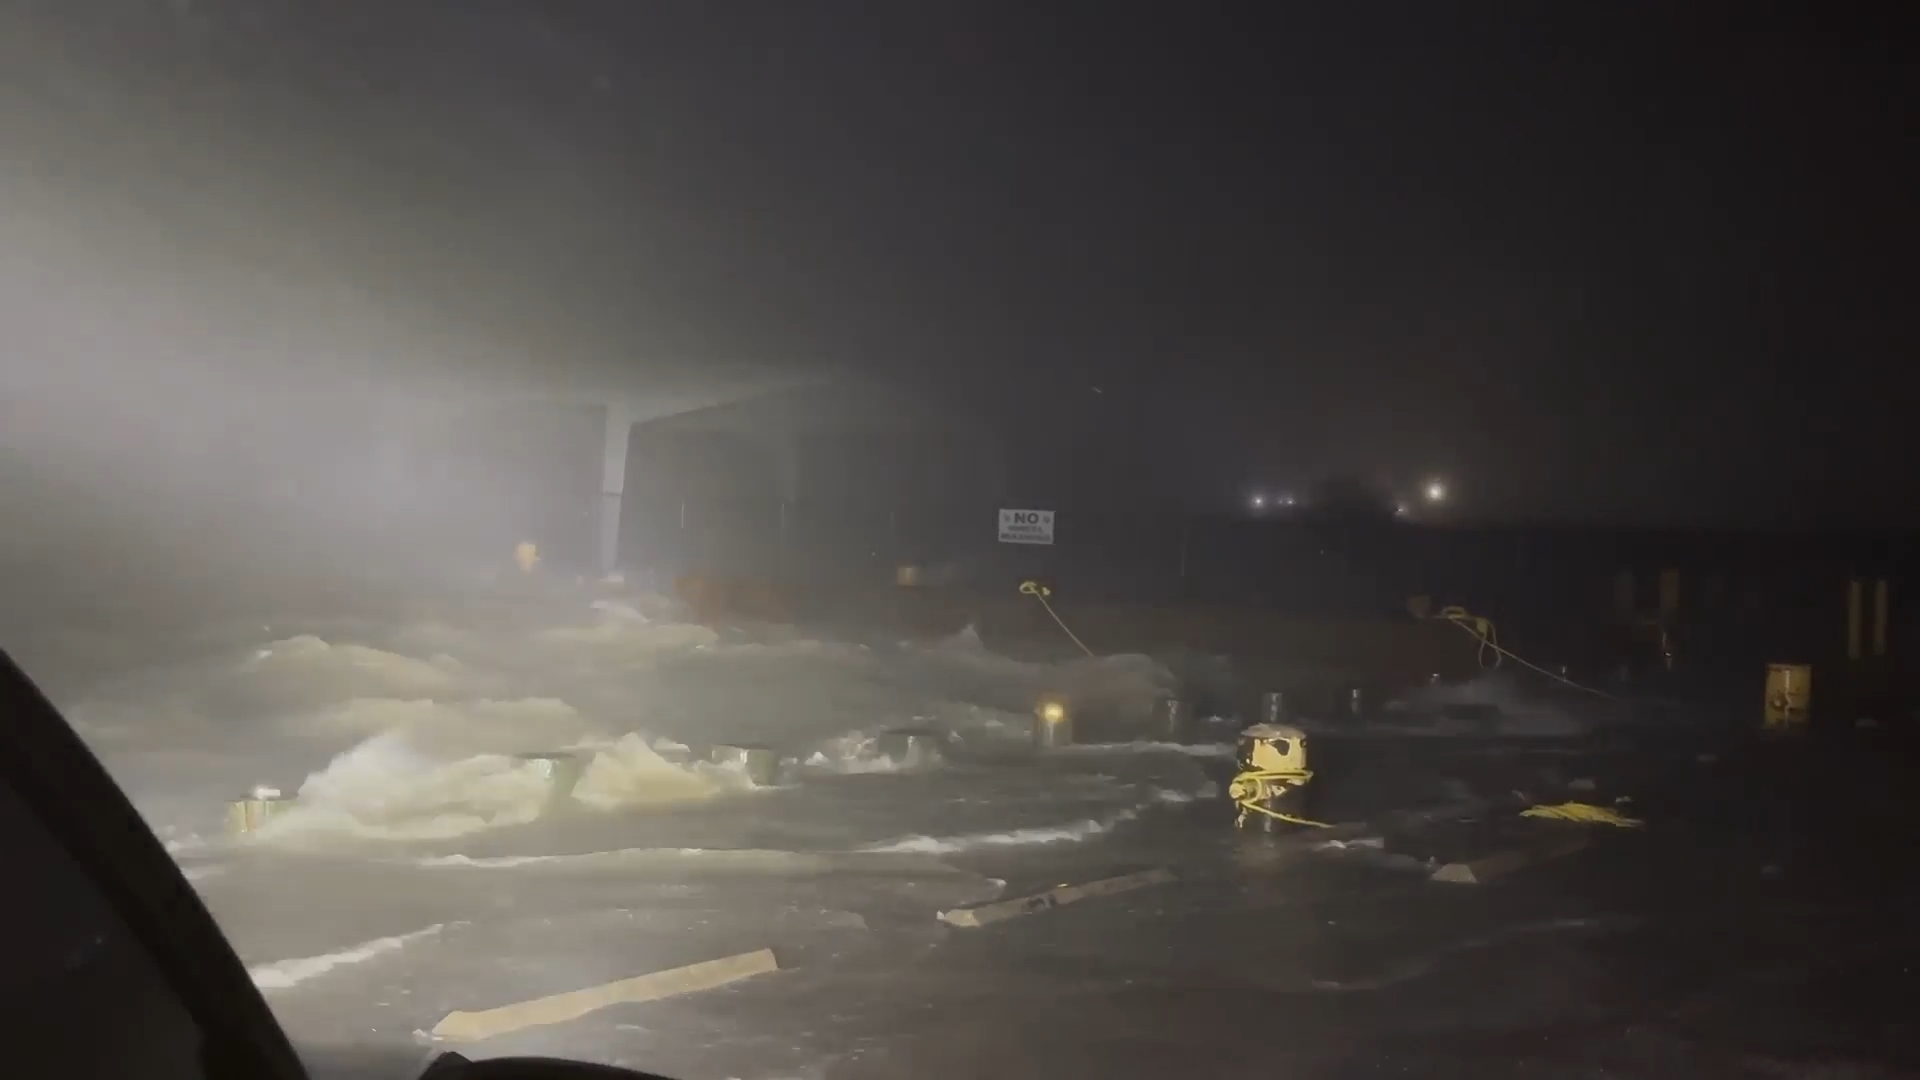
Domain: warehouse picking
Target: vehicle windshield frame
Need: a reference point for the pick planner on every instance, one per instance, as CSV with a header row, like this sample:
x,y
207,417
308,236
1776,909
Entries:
x,y
80,806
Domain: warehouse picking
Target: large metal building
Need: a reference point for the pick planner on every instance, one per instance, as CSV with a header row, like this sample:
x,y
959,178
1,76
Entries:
x,y
834,475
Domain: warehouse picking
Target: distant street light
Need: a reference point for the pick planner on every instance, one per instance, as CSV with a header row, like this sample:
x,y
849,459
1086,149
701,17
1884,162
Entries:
x,y
1436,491
1259,502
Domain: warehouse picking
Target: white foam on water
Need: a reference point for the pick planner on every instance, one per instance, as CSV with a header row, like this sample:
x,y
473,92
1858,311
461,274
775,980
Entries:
x,y
1199,750
450,728
307,656
1072,831
1121,688
387,788
727,858
631,636
821,762
495,862
427,749
966,648
421,784
1514,712
630,773
178,841
291,686
619,609
857,753
792,648
283,974
290,677
1177,797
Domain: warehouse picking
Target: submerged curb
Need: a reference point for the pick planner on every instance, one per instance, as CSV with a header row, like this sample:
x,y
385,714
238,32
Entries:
x,y
1501,863
1061,896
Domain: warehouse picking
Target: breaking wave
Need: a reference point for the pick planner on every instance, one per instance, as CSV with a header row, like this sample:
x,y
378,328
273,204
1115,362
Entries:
x,y
466,728
1493,704
390,787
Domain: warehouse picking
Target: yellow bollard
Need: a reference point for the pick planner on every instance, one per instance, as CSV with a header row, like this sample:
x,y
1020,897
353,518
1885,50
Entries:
x,y
1052,722
246,816
1789,696
1273,781
527,555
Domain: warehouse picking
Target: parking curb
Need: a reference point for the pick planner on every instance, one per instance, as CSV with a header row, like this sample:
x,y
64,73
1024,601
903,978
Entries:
x,y
459,1026
1060,896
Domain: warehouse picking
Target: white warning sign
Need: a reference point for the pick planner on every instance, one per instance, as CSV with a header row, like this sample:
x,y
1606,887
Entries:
x,y
1026,526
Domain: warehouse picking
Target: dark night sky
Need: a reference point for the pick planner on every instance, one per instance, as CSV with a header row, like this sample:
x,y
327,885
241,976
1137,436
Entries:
x,y
1614,262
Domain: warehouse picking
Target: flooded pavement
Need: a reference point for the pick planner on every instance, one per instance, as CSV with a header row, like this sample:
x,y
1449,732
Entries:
x,y
1676,948
1758,922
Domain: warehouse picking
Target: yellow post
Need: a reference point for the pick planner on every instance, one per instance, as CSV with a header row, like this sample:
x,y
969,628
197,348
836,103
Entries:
x,y
1052,723
1853,619
1789,696
245,816
1880,617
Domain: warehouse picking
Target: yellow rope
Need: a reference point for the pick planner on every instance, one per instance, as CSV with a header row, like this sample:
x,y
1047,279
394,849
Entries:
x,y
1041,592
1484,632
1585,813
1249,787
